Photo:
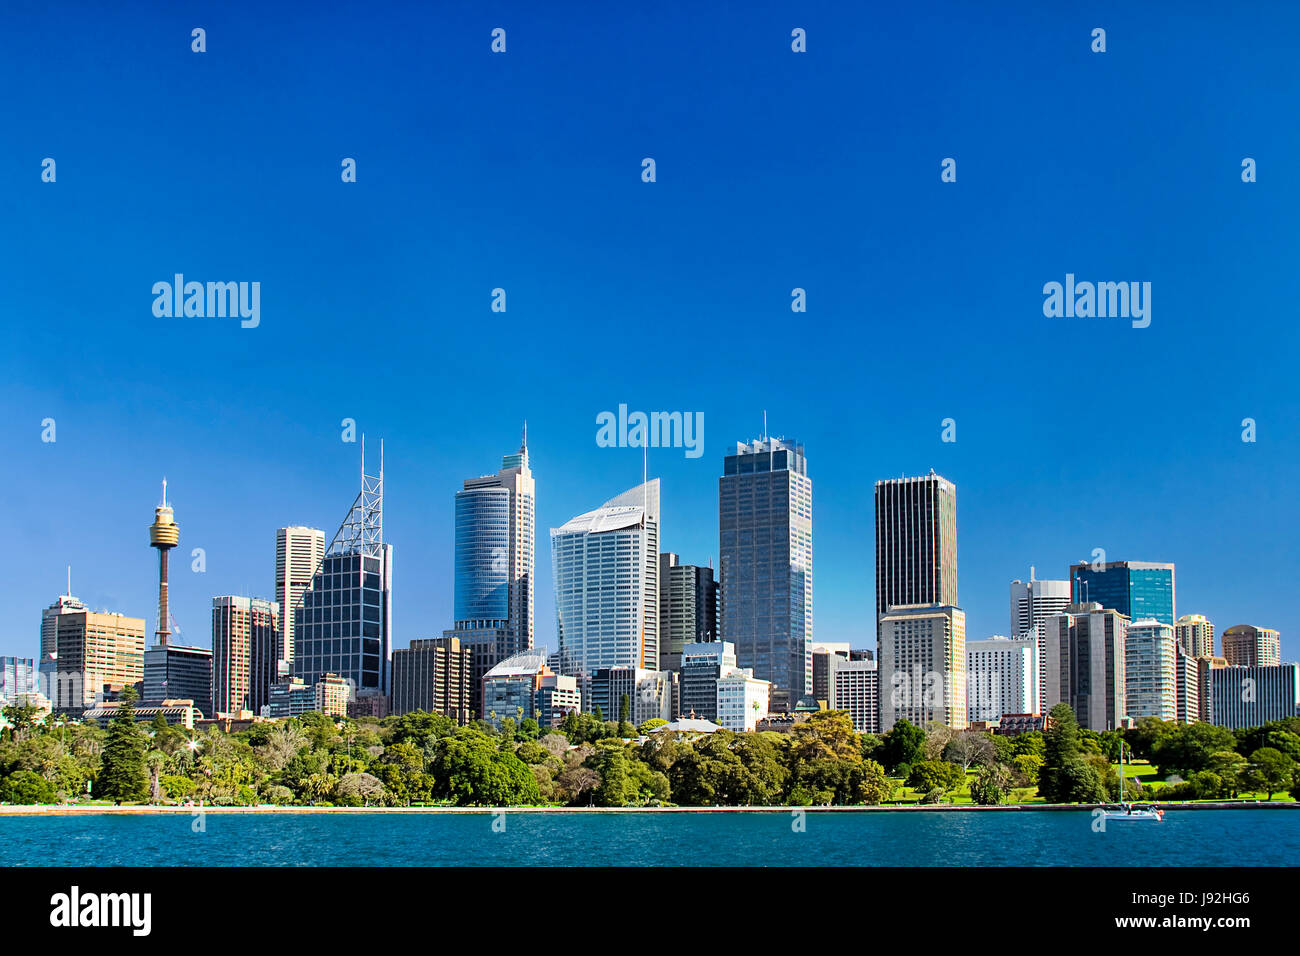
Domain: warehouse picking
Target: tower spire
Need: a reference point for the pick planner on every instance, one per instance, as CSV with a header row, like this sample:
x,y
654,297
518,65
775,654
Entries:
x,y
524,446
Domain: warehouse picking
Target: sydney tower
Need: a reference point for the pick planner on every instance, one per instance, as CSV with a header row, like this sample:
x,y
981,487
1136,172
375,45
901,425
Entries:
x,y
163,535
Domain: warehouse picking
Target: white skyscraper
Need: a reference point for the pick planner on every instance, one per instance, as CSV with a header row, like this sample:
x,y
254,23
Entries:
x,y
1033,602
298,552
606,570
1002,677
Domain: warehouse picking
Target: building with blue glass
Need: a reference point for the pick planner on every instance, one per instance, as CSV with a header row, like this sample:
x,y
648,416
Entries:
x,y
1140,590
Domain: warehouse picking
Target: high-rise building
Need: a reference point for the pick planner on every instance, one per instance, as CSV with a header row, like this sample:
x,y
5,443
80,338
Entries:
x,y
332,694
1136,589
494,560
1245,645
433,676
344,623
94,652
1032,603
916,542
765,543
245,646
47,665
1243,696
177,672
495,551
648,693
688,608
17,677
1085,664
1151,670
702,664
606,568
298,553
1187,687
1195,635
1002,676
854,685
923,665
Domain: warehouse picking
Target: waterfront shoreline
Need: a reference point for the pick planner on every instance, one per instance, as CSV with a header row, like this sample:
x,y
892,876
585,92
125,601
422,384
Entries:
x,y
47,810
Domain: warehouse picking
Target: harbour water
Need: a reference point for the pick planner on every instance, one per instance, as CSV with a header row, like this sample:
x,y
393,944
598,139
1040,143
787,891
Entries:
x,y
779,838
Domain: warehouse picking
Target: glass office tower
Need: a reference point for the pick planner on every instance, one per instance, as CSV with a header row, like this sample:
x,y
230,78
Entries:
x,y
766,564
1137,589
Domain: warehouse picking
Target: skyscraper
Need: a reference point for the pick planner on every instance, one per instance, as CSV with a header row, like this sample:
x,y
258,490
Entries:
x,y
1245,645
606,567
245,646
688,608
47,665
1151,670
1136,589
1242,696
344,624
176,672
495,553
298,553
1085,664
1034,601
1195,635
765,544
916,542
17,677
923,665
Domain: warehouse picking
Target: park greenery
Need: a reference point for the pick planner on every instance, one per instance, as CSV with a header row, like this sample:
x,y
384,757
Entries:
x,y
426,759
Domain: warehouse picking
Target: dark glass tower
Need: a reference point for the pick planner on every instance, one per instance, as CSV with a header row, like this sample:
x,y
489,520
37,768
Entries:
x,y
1137,589
766,555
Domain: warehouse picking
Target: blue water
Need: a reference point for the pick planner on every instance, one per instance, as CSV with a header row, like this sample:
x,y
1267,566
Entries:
x,y
1189,838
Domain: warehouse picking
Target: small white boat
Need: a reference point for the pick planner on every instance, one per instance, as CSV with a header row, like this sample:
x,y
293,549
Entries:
x,y
1129,811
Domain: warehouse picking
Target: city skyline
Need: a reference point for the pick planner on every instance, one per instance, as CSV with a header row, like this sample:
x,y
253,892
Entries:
x,y
16,645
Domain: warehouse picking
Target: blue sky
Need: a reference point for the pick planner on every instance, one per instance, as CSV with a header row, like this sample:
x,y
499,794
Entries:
x,y
775,170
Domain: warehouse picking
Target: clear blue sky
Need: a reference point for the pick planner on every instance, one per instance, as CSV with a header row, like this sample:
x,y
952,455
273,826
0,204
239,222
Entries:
x,y
775,171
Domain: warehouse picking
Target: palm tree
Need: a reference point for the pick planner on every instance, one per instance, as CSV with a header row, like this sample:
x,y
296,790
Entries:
x,y
155,761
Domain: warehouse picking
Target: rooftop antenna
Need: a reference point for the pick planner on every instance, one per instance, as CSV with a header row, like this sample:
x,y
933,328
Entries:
x,y
69,580
765,424
525,445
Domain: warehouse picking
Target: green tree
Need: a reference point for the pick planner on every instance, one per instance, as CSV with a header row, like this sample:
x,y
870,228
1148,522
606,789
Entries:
x,y
903,744
991,785
26,787
935,775
123,776
625,716
648,727
1270,770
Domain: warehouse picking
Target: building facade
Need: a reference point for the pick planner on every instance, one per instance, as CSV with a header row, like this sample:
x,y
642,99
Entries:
x,y
298,553
606,569
433,676
916,543
1243,696
510,688
765,543
922,657
18,675
702,664
1085,664
494,560
178,672
1187,687
743,699
1136,589
1195,635
94,652
245,647
1003,676
854,685
688,608
1245,645
1151,670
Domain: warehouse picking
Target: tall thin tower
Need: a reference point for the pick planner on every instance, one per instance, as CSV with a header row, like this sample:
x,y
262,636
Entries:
x,y
163,535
